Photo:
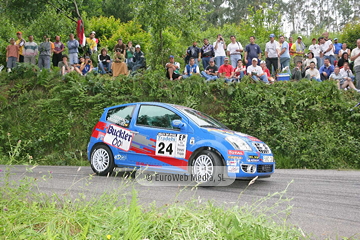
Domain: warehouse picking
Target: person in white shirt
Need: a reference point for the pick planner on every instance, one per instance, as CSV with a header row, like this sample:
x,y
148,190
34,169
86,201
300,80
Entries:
x,y
30,51
355,57
272,53
310,59
219,49
315,49
327,50
312,73
234,50
342,78
344,49
256,72
346,72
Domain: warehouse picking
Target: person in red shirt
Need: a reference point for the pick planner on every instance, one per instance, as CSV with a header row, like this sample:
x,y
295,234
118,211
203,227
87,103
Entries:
x,y
290,44
266,71
227,71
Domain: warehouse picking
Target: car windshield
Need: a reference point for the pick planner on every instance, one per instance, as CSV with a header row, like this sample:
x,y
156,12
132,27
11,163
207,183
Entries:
x,y
202,119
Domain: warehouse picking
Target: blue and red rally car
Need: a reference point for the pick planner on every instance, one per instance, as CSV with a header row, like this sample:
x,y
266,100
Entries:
x,y
173,138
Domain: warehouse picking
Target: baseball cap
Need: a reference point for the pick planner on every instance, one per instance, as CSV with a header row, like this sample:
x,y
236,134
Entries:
x,y
226,58
272,35
335,39
19,32
211,60
262,62
93,32
255,59
137,46
300,37
171,56
87,57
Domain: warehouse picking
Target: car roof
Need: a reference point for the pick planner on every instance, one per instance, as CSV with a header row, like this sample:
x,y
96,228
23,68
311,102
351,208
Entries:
x,y
150,103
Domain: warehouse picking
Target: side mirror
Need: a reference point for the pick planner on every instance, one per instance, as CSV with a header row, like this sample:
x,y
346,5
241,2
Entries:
x,y
178,124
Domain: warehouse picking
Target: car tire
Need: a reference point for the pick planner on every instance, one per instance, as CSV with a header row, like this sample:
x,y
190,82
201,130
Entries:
x,y
102,160
206,168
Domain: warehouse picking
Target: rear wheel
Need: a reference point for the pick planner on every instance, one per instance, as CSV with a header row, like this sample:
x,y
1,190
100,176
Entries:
x,y
102,160
206,168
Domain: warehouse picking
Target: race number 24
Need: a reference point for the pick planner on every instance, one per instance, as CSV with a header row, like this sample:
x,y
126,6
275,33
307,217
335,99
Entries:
x,y
171,145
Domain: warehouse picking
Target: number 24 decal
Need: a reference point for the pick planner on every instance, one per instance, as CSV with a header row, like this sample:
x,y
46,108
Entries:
x,y
169,148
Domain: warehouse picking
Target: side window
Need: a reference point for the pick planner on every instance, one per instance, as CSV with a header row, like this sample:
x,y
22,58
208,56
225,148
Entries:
x,y
120,116
155,116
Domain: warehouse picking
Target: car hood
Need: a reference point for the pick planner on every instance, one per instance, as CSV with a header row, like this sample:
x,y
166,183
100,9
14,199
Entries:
x,y
222,132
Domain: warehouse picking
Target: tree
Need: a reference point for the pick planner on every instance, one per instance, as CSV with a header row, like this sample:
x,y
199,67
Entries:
x,y
159,15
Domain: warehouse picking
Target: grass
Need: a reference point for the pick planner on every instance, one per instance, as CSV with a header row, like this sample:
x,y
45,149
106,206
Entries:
x,y
26,213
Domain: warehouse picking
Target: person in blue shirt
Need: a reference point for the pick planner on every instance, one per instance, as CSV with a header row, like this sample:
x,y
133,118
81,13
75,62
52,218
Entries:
x,y
338,47
326,70
284,54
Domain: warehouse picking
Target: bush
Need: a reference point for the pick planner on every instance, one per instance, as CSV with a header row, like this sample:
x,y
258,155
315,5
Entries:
x,y
306,124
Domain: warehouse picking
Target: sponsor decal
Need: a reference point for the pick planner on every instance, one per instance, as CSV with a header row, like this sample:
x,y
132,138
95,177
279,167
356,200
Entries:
x,y
268,159
235,157
253,160
231,162
192,141
118,120
253,139
253,156
120,157
233,169
118,137
147,165
235,152
171,145
221,130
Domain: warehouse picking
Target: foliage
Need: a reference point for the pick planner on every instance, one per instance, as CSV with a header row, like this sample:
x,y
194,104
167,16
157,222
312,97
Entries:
x,y
302,122
349,34
26,213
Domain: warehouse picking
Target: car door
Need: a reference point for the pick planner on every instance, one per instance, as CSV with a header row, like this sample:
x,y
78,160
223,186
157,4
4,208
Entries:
x,y
157,143
118,135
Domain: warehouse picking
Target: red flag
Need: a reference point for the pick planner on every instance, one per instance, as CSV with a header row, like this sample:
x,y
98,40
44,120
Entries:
x,y
80,32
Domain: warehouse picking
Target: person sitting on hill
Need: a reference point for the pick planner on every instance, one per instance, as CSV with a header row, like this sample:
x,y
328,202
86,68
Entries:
x,y
65,66
266,71
310,59
297,72
344,59
342,82
326,70
211,71
312,73
138,60
240,70
256,72
85,66
104,61
191,69
227,71
119,66
173,69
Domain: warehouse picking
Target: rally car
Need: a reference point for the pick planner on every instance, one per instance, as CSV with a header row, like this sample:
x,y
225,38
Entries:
x,y
173,138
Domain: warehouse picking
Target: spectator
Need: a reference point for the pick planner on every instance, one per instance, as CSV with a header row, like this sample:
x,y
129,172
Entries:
x,y
344,59
194,52
120,45
297,72
219,49
227,71
343,81
12,55
252,50
119,66
309,60
256,72
326,70
312,73
86,66
130,50
355,57
326,50
290,44
211,71
173,69
30,51
234,50
315,49
240,70
347,73
104,61
284,54
266,71
58,49
44,53
338,47
64,65
298,50
73,46
272,53
191,69
20,42
207,52
344,49
138,59
91,43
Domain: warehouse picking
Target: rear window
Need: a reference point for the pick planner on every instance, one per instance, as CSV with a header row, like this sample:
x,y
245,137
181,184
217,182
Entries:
x,y
120,116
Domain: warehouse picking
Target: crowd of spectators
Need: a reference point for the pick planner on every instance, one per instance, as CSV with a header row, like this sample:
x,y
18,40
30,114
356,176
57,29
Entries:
x,y
231,62
126,58
324,59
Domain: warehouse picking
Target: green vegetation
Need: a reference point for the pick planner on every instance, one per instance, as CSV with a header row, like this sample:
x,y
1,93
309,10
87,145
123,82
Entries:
x,y
306,124
26,213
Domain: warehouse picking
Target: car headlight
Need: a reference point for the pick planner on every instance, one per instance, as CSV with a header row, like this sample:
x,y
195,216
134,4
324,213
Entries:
x,y
238,143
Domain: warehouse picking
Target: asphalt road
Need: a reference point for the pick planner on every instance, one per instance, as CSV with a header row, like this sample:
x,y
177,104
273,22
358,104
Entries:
x,y
325,203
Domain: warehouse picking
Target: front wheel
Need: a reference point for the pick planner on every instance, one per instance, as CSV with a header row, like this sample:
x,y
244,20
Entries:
x,y
102,160
207,168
